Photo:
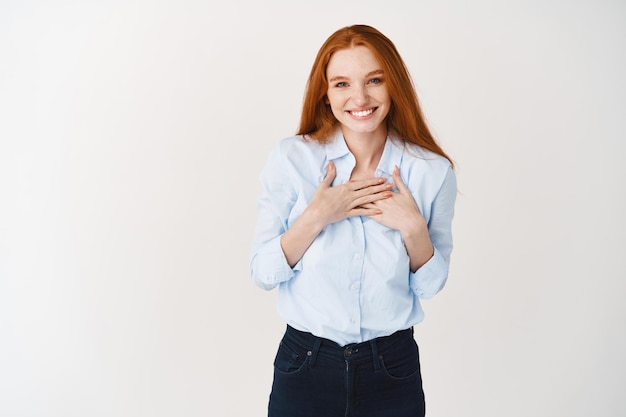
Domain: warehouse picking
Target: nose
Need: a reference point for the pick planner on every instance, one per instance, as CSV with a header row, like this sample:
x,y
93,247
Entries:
x,y
360,95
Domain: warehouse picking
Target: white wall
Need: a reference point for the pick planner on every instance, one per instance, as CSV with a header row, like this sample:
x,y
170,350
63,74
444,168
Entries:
x,y
131,138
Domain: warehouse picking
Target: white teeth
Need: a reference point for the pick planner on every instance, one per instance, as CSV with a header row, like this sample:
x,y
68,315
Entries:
x,y
362,113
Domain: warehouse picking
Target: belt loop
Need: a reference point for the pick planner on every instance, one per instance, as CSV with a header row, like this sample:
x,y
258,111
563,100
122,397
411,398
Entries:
x,y
375,357
313,352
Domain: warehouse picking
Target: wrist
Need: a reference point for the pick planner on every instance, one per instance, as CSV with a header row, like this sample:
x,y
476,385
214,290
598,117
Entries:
x,y
414,229
311,220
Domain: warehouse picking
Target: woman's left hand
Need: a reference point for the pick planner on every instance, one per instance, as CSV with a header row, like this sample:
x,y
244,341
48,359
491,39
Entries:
x,y
400,212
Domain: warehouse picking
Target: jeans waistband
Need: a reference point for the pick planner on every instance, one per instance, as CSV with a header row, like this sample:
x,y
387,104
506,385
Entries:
x,y
352,352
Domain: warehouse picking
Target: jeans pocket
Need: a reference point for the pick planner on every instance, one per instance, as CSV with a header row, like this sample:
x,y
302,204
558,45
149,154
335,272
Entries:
x,y
289,360
401,366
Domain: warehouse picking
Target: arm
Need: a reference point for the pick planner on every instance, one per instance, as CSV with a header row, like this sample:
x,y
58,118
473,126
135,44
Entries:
x,y
268,266
428,244
413,228
430,278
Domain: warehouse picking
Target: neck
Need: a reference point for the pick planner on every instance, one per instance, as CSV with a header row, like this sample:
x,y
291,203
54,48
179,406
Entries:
x,y
367,149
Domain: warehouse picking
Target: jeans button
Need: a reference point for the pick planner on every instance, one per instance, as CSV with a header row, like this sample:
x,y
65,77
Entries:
x,y
348,351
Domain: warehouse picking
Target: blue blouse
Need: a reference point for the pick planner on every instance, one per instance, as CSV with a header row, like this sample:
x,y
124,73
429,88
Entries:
x,y
354,282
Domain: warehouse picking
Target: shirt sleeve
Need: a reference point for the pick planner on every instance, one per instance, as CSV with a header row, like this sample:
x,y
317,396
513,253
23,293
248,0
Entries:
x,y
268,265
431,277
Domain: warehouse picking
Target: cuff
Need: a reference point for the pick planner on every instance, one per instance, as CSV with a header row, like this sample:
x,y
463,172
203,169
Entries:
x,y
269,266
430,278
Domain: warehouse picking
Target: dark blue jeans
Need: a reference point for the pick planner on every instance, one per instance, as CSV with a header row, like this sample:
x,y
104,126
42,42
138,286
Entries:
x,y
318,378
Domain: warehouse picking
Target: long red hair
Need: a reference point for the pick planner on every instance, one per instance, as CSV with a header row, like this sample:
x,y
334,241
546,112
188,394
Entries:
x,y
405,116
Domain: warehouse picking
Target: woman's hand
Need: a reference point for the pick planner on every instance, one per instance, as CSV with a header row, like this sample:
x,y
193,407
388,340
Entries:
x,y
400,212
331,204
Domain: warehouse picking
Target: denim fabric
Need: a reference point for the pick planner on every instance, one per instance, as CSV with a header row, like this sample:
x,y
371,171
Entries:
x,y
316,377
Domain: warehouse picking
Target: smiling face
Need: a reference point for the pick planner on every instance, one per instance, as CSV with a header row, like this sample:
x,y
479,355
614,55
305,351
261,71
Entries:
x,y
357,92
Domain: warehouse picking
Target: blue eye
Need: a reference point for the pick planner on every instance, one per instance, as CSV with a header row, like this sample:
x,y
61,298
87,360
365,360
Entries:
x,y
376,81
341,84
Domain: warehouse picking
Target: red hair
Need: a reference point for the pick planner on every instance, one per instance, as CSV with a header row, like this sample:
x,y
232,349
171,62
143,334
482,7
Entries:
x,y
405,116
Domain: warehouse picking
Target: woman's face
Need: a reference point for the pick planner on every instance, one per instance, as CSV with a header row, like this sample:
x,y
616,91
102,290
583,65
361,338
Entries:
x,y
357,90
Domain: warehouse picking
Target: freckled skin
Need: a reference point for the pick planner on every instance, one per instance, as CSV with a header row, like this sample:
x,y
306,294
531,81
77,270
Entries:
x,y
357,83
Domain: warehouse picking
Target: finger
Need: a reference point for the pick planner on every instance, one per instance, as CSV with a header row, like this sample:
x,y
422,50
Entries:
x,y
361,211
397,180
373,189
331,173
361,184
371,198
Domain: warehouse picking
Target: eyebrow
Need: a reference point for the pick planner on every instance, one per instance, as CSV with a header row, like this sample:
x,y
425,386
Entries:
x,y
369,74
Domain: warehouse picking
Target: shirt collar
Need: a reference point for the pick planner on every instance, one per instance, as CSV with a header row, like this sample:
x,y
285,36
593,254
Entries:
x,y
336,147
391,157
392,154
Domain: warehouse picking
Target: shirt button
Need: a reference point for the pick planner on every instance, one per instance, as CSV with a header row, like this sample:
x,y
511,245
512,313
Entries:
x,y
357,256
379,173
353,320
354,286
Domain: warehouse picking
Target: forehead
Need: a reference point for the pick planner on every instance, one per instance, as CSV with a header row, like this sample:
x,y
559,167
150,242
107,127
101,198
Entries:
x,y
354,61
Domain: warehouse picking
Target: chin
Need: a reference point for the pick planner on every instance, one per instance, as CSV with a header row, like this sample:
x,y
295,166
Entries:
x,y
363,129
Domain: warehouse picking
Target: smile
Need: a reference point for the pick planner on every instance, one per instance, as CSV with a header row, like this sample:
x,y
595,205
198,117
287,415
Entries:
x,y
362,113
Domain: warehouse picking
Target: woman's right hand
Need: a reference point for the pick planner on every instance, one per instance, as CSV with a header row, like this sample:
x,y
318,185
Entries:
x,y
331,204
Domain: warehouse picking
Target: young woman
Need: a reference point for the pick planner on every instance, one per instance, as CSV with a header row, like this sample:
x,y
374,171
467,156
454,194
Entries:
x,y
354,228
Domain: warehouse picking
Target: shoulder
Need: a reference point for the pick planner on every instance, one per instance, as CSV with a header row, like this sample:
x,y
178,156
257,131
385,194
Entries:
x,y
423,171
298,150
296,144
416,157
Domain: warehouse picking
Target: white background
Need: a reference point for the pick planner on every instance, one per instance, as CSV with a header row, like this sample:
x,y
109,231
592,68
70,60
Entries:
x,y
132,134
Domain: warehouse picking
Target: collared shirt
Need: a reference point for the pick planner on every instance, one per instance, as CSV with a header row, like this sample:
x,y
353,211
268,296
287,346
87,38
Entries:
x,y
354,282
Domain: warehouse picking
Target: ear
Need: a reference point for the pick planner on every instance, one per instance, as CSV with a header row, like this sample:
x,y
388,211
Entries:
x,y
326,100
